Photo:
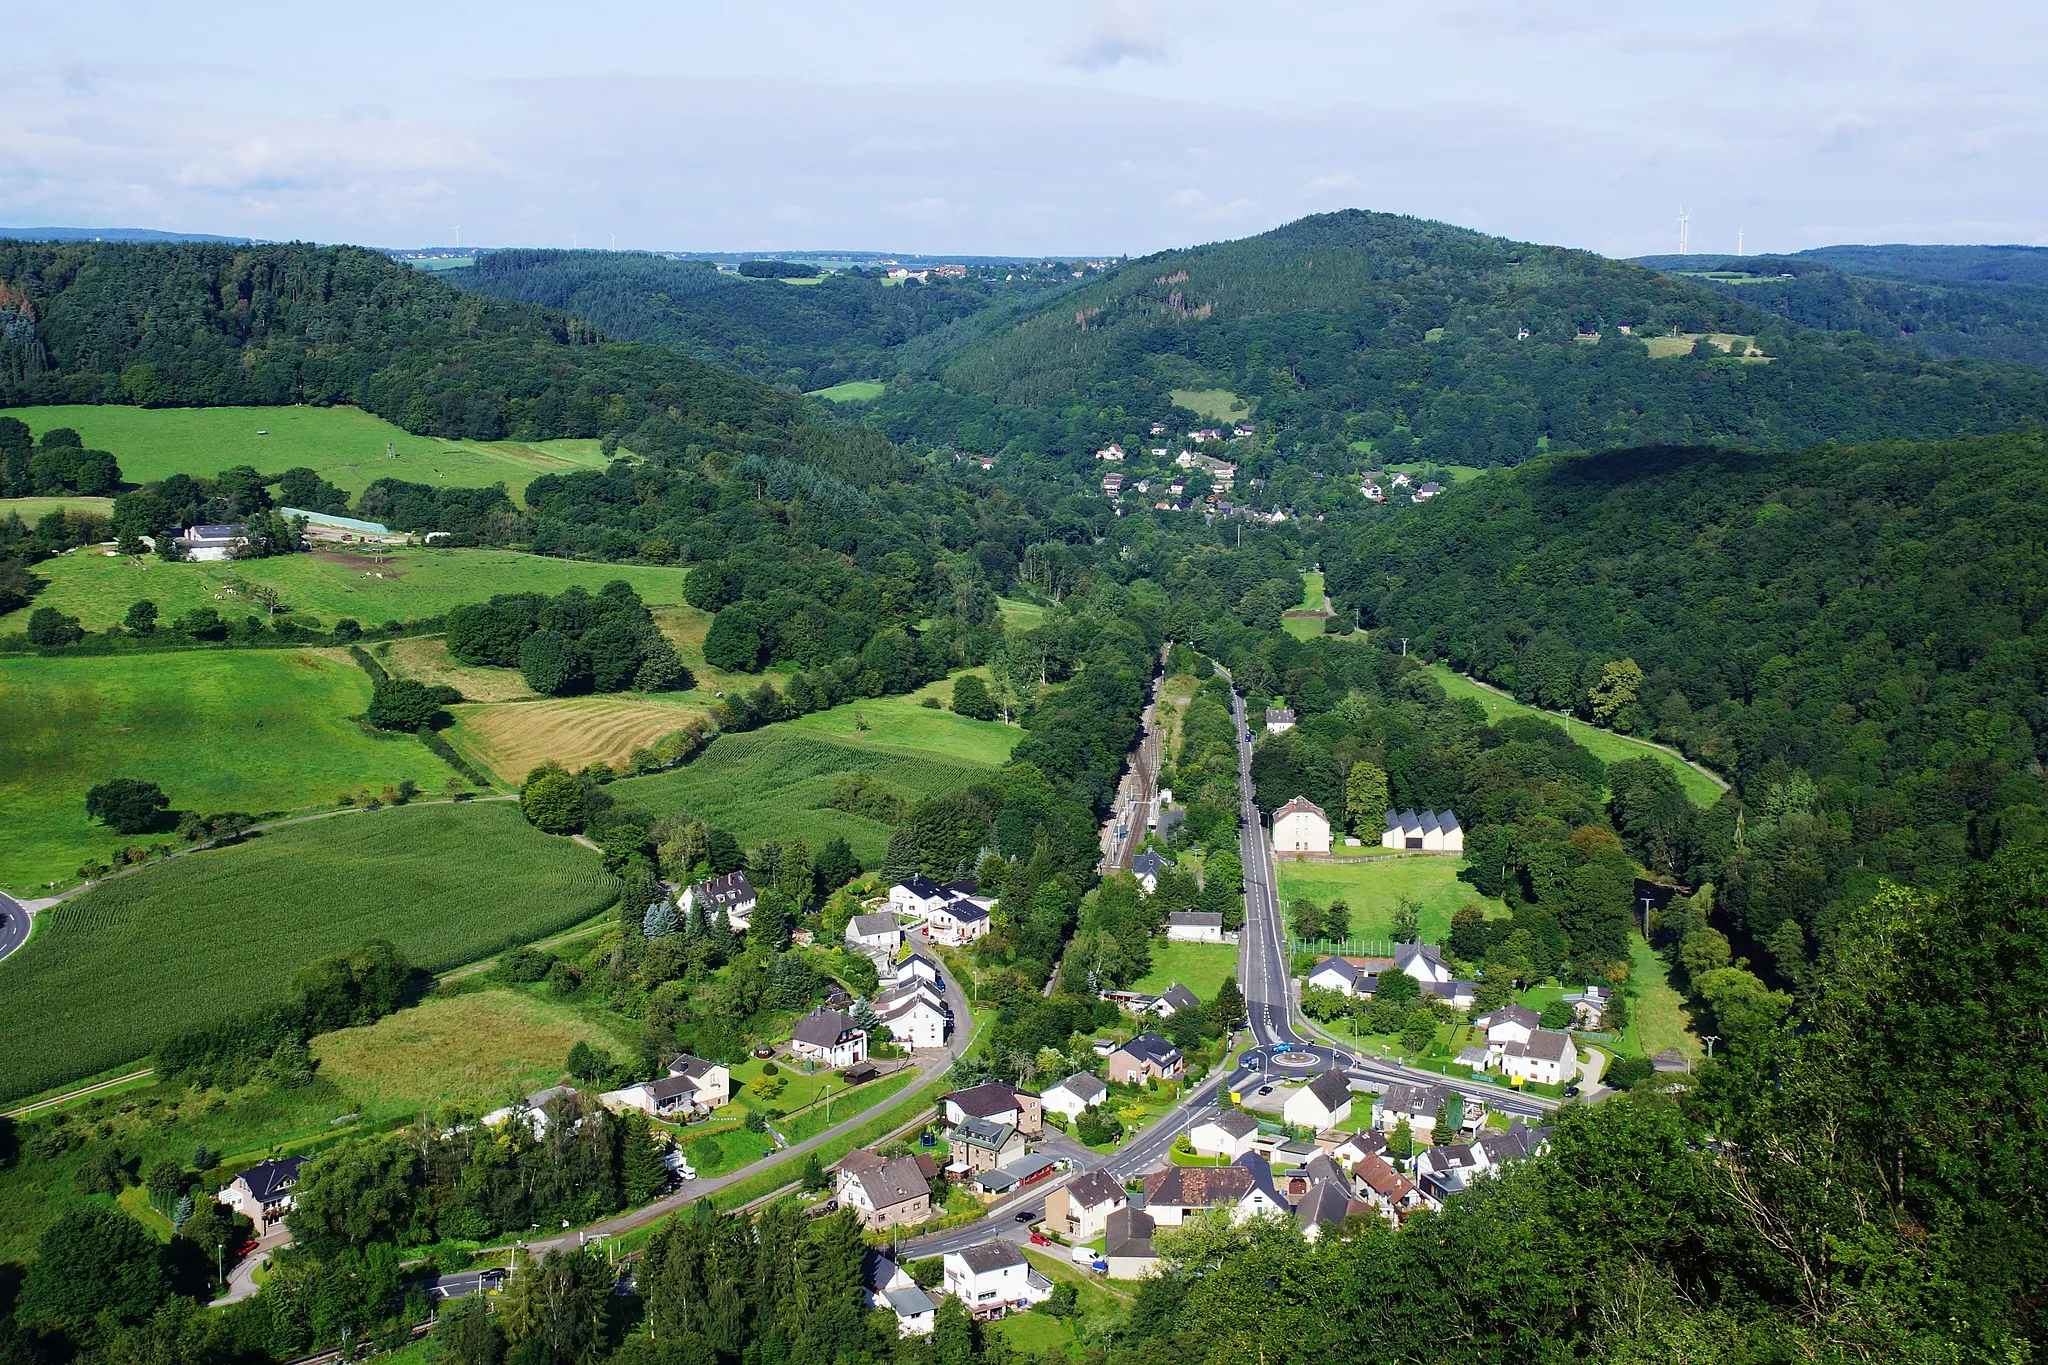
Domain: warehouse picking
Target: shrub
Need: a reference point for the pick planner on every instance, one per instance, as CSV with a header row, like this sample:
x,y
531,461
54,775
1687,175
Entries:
x,y
48,626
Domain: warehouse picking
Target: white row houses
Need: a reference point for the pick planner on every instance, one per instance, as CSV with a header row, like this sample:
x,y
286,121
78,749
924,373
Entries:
x,y
1431,831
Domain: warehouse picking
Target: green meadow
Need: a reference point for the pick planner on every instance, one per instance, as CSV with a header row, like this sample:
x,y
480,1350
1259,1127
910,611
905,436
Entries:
x,y
219,730
1200,967
1374,887
852,391
1218,405
111,973
404,584
346,446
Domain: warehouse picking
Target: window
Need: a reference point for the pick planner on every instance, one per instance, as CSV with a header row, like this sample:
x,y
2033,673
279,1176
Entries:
x,y
1415,843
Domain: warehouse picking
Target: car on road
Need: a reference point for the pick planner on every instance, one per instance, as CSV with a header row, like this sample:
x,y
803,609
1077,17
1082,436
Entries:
x,y
492,1280
1571,1091
1265,1090
1025,1215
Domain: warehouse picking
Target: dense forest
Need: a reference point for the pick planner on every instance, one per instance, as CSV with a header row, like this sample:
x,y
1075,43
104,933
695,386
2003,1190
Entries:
x,y
1854,634
850,325
1445,344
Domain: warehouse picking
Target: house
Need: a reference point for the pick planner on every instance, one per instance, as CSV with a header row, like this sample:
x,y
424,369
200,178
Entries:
x,y
1431,831
1279,720
713,1082
1518,1143
534,1107
1326,1202
1340,974
1402,481
732,893
918,895
1145,1057
828,1036
918,967
1423,961
1177,1193
1508,1024
1546,1058
1080,1209
1227,1135
263,1193
1083,1090
1146,867
664,1097
1475,1058
1112,485
1016,1173
957,921
1195,926
1130,1002
1301,827
1372,492
876,934
1323,1103
997,1102
1458,994
211,544
983,1144
1176,999
915,1014
1385,1188
885,1191
1589,1006
1356,1147
1112,451
1412,1102
992,1278
1427,491
889,1286
1127,1244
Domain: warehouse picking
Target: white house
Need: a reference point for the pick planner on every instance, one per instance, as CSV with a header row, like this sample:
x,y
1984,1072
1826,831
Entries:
x,y
534,1107
1323,1103
732,893
1508,1024
917,967
1195,926
918,895
889,1286
1127,1244
1245,1187
1279,720
914,1013
957,921
1083,1090
1423,961
992,1278
1301,827
1547,1058
1356,1147
211,544
713,1081
876,934
830,1037
1112,451
1176,999
1431,831
1339,974
263,1193
997,1102
1146,867
1415,1103
664,1097
1227,1135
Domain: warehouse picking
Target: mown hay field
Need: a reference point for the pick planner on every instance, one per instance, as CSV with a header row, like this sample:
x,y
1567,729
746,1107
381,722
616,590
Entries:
x,y
112,973
511,739
219,730
405,584
346,446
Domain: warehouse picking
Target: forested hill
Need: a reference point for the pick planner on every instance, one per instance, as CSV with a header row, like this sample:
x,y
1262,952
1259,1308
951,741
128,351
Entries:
x,y
848,325
1858,634
1940,302
1360,326
203,324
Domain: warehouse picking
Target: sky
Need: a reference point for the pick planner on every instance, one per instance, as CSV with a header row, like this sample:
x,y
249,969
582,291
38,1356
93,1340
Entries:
x,y
1065,127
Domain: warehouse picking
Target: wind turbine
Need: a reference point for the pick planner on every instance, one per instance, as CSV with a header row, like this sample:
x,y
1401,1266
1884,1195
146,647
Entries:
x,y
1684,232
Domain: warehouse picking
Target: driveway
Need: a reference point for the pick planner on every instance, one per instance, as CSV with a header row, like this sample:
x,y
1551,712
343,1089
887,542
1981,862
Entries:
x,y
242,1278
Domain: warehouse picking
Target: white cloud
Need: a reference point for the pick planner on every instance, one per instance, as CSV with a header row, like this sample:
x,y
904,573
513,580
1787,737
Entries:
x,y
1114,31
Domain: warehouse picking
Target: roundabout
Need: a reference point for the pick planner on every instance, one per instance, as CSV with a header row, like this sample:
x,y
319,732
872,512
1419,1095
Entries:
x,y
1281,1061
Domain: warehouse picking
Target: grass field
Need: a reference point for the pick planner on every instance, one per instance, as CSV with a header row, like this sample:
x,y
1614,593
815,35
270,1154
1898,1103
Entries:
x,y
1372,887
1657,1015
1200,967
852,391
32,510
899,725
324,584
1218,405
474,1050
772,784
232,730
511,739
345,446
1682,344
113,972
1019,614
1307,627
1602,744
425,658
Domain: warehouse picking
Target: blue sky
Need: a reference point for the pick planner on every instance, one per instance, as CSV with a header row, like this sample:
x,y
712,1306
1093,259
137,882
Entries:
x,y
1065,127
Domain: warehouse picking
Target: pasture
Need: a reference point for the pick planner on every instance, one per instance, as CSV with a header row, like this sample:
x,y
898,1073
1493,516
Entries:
x,y
425,658
1682,344
1604,745
346,446
1020,615
511,739
773,783
1218,405
852,391
219,730
896,724
32,510
1373,888
404,584
115,971
1200,967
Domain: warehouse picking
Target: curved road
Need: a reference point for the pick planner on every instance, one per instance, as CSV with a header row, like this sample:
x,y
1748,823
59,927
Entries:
x,y
14,925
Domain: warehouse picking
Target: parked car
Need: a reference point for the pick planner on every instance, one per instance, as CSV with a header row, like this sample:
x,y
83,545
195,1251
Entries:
x,y
1039,1239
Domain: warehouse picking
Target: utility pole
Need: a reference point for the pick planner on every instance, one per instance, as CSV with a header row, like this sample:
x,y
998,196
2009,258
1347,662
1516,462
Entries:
x,y
1404,646
1710,1039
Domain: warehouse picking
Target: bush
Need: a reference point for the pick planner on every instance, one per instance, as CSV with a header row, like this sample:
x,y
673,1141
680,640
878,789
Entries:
x,y
48,626
706,1153
1626,1073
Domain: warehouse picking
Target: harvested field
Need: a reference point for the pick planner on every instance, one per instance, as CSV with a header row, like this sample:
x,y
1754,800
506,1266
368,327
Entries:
x,y
512,740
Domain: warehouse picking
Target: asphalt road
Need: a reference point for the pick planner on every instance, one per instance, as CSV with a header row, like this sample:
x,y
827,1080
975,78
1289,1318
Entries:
x,y
14,925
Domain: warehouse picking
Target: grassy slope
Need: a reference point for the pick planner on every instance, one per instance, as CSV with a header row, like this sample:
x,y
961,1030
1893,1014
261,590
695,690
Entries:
x,y
115,971
247,730
1372,886
1218,405
1200,967
31,510
409,583
1603,745
345,446
852,391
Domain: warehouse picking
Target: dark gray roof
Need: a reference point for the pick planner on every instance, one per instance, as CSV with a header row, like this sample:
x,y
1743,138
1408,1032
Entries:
x,y
1405,1097
1150,1047
1405,953
1181,998
683,1064
964,910
984,1133
1509,1014
666,1088
1084,1085
1196,919
269,1179
987,1256
1327,1203
1096,1187
910,1302
876,1270
894,1182
868,926
923,887
822,1028
725,892
987,1099
1337,965
1331,1088
1237,1123
1149,865
1547,1044
1129,1233
1261,1172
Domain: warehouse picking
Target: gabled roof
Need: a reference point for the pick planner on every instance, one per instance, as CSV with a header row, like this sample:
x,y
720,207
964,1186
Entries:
x,y
964,886
962,909
1149,865
1181,998
1195,919
696,1068
877,1269
729,890
1129,1233
989,1256
922,887
1337,966
1261,1172
895,1181
1546,1045
662,1089
1279,713
1407,1097
269,1179
1237,1123
1367,1143
904,967
823,1028
869,926
1405,953
1331,1089
987,1133
1096,1187
1327,1204
987,1099
1301,805
1382,1179
1508,1014
1197,1186
1083,1085
1150,1047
